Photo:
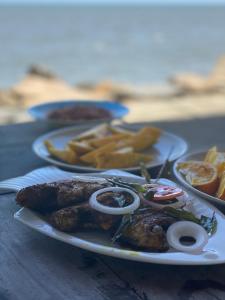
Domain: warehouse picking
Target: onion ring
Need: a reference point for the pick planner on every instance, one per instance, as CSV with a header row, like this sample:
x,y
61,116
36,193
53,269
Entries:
x,y
187,229
114,210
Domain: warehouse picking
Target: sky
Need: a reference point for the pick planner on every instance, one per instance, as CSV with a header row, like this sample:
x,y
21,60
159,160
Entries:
x,y
161,2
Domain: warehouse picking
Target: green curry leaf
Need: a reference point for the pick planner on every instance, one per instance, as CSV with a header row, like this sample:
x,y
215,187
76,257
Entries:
x,y
208,223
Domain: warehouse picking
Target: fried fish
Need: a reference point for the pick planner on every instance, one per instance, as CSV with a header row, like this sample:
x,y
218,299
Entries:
x,y
48,197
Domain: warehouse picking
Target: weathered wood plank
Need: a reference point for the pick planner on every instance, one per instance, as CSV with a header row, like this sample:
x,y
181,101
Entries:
x,y
171,282
33,266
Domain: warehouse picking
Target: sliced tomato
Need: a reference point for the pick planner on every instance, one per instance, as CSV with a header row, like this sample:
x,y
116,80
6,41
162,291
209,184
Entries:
x,y
165,192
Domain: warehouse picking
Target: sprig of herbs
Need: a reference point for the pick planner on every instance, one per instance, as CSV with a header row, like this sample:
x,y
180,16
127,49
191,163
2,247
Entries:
x,y
132,186
165,168
208,223
126,220
181,214
164,171
145,173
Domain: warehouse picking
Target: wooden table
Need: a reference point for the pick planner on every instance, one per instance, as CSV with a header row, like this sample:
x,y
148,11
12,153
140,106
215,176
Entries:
x,y
33,266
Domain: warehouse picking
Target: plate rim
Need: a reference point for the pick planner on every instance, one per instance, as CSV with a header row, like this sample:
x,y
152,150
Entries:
x,y
183,182
157,258
38,140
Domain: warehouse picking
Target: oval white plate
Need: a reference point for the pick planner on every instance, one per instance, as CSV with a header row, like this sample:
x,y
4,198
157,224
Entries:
x,y
214,252
60,138
194,156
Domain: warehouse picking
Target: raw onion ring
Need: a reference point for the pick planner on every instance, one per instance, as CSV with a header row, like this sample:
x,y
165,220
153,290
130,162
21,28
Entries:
x,y
187,229
114,210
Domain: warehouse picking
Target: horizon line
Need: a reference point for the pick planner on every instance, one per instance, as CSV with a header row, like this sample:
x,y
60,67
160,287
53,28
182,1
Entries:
x,y
111,4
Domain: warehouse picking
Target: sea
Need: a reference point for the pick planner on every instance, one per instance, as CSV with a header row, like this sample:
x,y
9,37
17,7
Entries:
x,y
130,44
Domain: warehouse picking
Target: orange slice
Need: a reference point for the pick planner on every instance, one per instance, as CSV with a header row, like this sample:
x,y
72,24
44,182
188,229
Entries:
x,y
211,155
217,159
221,190
201,175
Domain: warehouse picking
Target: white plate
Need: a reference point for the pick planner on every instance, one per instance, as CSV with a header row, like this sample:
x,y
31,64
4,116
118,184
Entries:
x,y
200,157
60,138
214,252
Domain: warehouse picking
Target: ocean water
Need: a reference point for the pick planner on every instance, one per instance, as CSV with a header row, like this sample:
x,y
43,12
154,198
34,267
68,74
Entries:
x,y
127,44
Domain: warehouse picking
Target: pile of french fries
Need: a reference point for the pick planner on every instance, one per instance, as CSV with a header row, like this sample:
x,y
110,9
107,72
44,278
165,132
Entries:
x,y
107,146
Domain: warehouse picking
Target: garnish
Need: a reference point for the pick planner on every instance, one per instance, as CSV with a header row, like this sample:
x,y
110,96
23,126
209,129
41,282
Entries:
x,y
145,173
165,168
182,231
121,210
181,214
208,223
166,192
126,220
164,171
132,186
149,195
167,202
120,199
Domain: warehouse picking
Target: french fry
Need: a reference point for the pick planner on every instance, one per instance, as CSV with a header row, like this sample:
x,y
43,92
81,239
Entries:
x,y
66,155
90,157
99,142
80,147
125,150
144,138
98,131
106,146
120,160
115,130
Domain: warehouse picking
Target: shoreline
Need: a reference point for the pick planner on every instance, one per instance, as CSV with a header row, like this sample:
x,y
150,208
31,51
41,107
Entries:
x,y
152,102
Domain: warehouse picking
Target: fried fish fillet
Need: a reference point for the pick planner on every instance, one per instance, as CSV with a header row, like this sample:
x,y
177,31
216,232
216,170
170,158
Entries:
x,y
48,197
146,231
83,216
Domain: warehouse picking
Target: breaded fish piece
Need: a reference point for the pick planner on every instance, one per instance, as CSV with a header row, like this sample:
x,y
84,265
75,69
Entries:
x,y
48,197
146,231
83,216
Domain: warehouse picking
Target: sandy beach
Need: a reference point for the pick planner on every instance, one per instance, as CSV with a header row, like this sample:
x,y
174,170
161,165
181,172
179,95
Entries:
x,y
137,58
152,102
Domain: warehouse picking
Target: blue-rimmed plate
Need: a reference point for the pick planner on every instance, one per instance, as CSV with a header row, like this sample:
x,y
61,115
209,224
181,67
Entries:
x,y
41,111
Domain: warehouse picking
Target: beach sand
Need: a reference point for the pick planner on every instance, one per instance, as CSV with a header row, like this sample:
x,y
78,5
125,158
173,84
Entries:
x,y
153,102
